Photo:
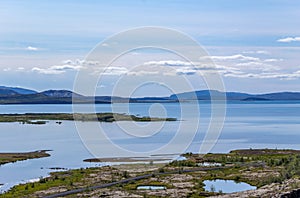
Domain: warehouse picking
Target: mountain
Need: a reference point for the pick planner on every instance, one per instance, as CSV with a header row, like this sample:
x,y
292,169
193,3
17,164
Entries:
x,y
15,91
60,93
7,92
9,95
280,96
16,95
206,95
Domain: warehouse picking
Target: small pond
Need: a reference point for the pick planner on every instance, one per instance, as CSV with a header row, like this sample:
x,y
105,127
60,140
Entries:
x,y
151,188
226,186
209,164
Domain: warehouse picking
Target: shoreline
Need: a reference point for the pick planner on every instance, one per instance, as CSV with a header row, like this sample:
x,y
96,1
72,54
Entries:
x,y
20,156
183,177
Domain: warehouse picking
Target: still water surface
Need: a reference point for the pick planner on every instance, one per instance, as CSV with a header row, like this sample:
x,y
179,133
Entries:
x,y
247,125
226,186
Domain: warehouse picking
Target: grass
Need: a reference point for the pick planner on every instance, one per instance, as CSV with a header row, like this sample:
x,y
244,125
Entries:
x,y
272,165
65,180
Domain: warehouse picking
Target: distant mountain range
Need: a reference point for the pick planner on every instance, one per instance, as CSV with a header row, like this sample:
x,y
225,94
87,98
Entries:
x,y
206,95
16,95
15,91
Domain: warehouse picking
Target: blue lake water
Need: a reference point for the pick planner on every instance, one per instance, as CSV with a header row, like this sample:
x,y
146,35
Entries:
x,y
226,186
247,125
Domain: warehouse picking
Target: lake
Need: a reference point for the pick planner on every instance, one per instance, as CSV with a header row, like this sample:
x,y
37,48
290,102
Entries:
x,y
226,186
260,124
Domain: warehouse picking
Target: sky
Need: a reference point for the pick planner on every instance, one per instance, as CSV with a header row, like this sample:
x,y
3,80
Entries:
x,y
254,44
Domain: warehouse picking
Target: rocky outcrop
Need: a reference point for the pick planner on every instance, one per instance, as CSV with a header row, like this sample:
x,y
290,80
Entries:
x,y
274,190
293,194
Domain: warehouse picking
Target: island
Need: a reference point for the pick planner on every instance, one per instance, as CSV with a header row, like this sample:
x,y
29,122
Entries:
x,y
14,157
41,118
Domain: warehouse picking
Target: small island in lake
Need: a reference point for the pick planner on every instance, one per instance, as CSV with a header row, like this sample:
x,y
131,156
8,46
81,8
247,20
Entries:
x,y
14,157
39,118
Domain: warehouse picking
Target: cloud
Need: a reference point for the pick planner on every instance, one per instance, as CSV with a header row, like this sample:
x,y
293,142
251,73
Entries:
x,y
172,68
233,65
272,60
169,63
67,65
186,71
282,76
79,62
7,69
46,71
104,44
57,69
20,68
260,66
115,71
30,48
240,66
288,39
181,64
232,57
236,66
257,52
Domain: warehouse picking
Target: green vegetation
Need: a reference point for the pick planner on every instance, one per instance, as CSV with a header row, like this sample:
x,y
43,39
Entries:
x,y
181,178
13,157
39,118
273,165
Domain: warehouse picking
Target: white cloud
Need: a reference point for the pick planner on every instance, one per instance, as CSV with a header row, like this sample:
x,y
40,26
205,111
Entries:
x,y
115,71
236,66
169,63
181,64
288,39
68,62
240,66
260,66
79,62
186,71
232,57
20,68
6,69
257,52
46,71
30,48
272,60
262,52
104,45
56,69
267,75
143,72
67,65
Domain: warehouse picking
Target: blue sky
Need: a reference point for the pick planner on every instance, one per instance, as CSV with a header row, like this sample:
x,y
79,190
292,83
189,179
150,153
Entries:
x,y
256,44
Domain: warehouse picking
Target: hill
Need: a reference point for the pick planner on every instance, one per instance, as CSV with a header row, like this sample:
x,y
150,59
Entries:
x,y
207,94
16,95
9,91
